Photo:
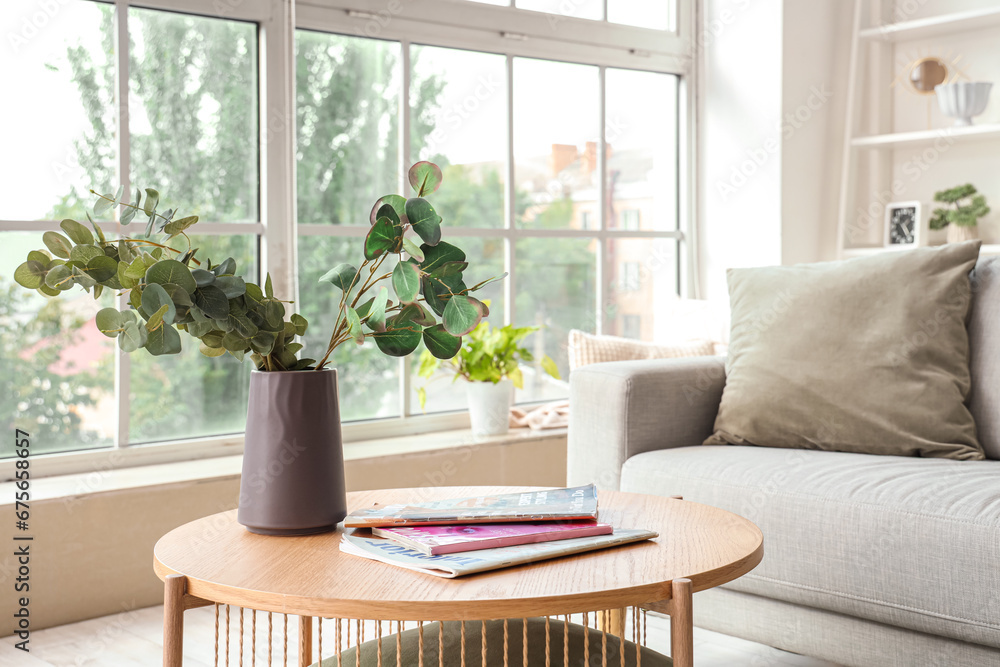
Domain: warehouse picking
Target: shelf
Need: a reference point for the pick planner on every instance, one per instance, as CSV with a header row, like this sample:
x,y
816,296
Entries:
x,y
987,249
928,137
934,25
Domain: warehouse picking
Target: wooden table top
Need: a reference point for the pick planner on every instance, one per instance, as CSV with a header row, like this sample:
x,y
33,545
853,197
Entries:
x,y
309,576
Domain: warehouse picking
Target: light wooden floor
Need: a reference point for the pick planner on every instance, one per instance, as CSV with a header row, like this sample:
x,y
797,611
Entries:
x,y
134,638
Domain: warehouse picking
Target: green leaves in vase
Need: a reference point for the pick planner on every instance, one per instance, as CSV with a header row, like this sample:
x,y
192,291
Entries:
x,y
169,290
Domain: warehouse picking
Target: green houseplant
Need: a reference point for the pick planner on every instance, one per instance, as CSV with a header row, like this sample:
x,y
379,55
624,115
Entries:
x,y
490,362
293,464
961,220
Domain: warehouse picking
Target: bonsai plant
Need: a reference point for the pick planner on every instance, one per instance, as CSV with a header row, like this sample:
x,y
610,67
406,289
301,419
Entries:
x,y
171,290
490,362
961,220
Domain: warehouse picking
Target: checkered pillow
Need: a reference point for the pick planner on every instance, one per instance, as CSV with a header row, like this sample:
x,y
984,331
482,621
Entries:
x,y
585,348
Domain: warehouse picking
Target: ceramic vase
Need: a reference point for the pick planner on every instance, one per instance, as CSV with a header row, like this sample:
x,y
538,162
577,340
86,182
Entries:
x,y
963,100
293,456
489,407
957,234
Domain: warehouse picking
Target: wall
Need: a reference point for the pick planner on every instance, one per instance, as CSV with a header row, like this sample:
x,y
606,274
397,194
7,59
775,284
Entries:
x,y
772,97
93,554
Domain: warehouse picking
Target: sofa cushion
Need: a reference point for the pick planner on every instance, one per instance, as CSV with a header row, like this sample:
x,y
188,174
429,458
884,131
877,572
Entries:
x,y
905,541
867,355
984,325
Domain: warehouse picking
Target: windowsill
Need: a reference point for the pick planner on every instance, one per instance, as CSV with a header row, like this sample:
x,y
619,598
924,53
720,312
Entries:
x,y
228,467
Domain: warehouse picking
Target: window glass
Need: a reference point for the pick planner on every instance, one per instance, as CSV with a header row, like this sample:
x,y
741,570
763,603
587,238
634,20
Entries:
x,y
347,105
486,260
555,290
640,277
582,9
189,395
59,74
641,139
654,14
458,102
556,127
193,130
368,380
56,368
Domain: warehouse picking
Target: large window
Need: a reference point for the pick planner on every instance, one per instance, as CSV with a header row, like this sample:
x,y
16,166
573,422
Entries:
x,y
560,144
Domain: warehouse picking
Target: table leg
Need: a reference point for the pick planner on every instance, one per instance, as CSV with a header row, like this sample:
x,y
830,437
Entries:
x,y
681,624
305,641
174,587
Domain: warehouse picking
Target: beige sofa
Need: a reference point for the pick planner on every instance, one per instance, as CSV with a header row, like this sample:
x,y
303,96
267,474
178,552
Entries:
x,y
869,560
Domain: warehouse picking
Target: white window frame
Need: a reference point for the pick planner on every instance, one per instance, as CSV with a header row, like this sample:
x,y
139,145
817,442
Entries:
x,y
460,24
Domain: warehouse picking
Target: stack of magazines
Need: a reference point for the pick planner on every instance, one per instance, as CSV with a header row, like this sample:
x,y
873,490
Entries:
x,y
451,538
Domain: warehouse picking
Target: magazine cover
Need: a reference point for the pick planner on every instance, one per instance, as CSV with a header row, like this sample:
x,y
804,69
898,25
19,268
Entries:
x,y
461,564
433,540
549,505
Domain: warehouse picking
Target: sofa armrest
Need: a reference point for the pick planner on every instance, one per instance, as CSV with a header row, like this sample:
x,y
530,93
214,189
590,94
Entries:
x,y
624,408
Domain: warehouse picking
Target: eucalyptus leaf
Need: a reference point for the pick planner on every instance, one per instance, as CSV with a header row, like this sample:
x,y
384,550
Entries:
x,y
156,319
81,254
59,277
211,351
58,244
164,340
39,256
436,255
440,343
424,220
300,324
154,297
228,268
342,276
398,203
30,274
412,249
231,286
425,178
174,272
76,231
82,279
398,341
101,268
461,315
354,326
109,322
103,204
406,282
152,199
382,238
376,315
133,336
202,277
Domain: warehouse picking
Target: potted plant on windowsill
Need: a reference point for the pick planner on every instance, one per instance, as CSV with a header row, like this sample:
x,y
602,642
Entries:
x,y
962,220
490,362
293,468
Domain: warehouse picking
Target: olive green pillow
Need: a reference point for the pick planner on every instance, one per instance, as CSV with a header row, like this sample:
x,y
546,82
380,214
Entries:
x,y
449,636
867,355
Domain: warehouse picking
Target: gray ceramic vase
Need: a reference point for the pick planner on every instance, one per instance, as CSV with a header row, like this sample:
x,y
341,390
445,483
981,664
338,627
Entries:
x,y
293,457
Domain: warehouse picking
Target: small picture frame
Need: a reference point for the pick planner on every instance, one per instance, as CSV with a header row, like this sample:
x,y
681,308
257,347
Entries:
x,y
902,224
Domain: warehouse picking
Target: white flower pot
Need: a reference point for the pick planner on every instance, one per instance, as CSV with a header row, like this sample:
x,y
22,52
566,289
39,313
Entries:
x,y
489,407
957,234
963,99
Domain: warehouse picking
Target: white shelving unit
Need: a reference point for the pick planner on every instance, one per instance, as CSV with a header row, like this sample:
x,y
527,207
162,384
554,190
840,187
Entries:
x,y
934,26
868,147
928,137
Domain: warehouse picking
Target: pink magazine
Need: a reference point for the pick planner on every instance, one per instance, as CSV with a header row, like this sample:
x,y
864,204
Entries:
x,y
436,540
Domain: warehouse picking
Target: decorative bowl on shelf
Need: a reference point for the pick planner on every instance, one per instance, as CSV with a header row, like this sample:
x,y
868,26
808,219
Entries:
x,y
963,100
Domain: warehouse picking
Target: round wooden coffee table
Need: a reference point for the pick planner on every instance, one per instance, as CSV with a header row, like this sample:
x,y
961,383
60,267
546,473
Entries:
x,y
215,560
